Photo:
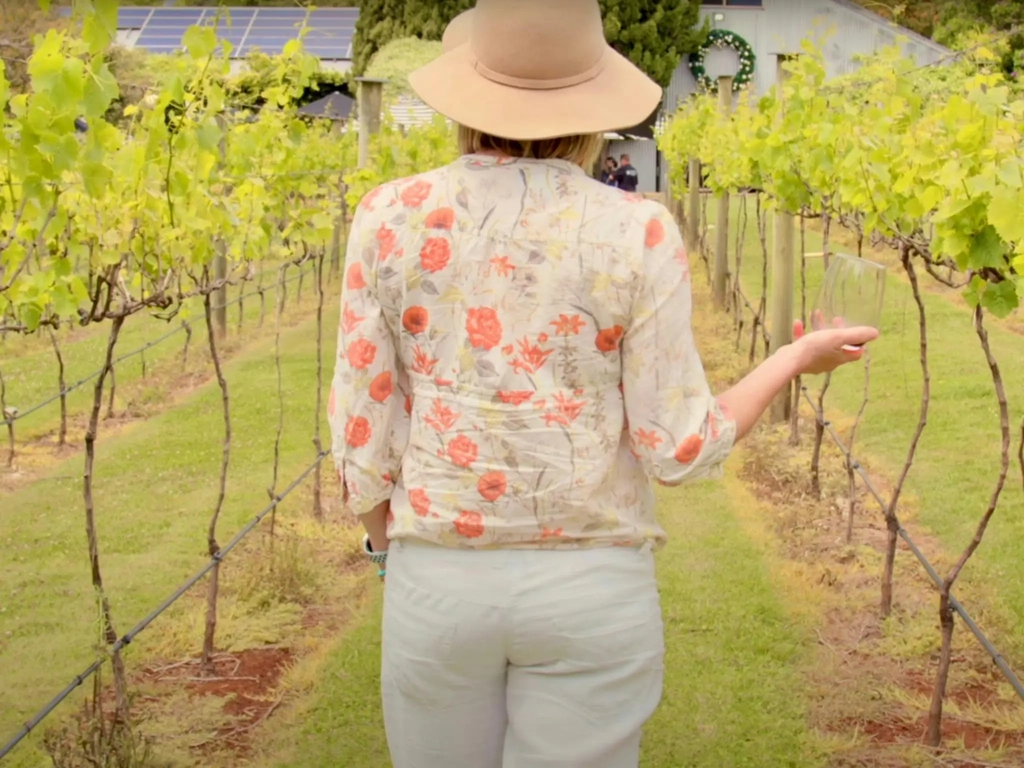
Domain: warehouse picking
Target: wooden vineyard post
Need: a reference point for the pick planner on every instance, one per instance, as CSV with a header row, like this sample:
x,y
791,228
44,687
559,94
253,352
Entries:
x,y
782,269
721,268
693,214
371,94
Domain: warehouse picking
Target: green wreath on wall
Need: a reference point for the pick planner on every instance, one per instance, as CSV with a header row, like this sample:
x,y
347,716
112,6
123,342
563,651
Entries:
x,y
723,38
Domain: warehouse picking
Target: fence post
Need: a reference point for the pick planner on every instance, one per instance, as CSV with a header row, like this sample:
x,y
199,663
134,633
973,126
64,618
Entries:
x,y
721,268
371,94
782,274
693,216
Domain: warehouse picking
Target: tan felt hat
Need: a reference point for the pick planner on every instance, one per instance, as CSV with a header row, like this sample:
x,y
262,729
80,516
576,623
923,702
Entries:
x,y
457,31
534,69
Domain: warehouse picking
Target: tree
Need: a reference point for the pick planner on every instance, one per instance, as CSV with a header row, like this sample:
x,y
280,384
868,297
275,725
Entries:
x,y
381,21
654,34
20,22
398,58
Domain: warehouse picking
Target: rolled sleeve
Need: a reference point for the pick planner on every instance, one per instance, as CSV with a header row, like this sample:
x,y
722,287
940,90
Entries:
x,y
369,425
678,430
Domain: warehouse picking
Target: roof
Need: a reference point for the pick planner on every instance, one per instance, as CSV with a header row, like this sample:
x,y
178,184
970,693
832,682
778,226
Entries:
x,y
336,106
329,31
903,31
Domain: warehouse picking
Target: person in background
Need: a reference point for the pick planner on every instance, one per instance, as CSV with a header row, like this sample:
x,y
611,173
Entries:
x,y
516,363
608,174
626,177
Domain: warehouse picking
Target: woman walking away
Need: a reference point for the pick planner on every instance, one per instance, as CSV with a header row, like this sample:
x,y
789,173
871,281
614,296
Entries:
x,y
608,174
515,364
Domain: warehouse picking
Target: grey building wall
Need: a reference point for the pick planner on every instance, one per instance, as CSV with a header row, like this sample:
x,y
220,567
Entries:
x,y
842,28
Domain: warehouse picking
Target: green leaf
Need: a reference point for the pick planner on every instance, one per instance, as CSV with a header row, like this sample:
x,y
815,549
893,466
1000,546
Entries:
x,y
987,250
100,90
973,291
1004,213
1000,298
209,134
200,42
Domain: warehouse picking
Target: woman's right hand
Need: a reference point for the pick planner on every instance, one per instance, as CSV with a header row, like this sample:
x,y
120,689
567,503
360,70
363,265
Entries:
x,y
825,350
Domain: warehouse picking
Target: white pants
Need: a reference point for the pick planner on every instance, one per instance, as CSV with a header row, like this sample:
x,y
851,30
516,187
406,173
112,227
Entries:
x,y
519,658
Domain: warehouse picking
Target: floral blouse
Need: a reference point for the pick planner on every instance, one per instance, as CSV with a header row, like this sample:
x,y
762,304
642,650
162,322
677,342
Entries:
x,y
516,361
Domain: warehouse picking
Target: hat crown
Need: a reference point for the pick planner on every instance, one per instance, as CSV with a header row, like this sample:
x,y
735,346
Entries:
x,y
530,43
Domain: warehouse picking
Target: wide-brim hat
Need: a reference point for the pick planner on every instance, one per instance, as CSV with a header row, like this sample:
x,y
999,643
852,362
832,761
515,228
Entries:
x,y
535,69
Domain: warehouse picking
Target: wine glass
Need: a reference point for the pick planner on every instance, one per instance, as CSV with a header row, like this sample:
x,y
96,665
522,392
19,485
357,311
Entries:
x,y
852,294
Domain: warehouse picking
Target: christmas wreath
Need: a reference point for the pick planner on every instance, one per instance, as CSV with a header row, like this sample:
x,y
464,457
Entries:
x,y
723,38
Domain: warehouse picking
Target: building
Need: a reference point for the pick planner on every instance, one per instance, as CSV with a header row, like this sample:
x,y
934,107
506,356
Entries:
x,y
773,27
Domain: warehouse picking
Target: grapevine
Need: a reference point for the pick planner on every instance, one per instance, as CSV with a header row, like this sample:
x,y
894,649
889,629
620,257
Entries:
x,y
929,162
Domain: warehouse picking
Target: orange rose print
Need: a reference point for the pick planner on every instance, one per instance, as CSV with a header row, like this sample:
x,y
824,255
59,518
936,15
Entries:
x,y
357,432
415,320
484,328
470,525
436,254
442,218
608,339
416,194
493,485
420,502
381,387
355,279
387,240
689,449
408,404
361,354
462,451
655,233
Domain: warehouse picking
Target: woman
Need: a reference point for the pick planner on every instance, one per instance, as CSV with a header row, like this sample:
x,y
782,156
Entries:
x,y
515,363
608,174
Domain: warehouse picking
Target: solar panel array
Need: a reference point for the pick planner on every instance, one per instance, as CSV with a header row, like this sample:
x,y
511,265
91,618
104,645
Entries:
x,y
329,31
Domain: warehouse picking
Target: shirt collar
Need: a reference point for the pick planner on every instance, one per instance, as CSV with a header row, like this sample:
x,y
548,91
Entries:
x,y
492,161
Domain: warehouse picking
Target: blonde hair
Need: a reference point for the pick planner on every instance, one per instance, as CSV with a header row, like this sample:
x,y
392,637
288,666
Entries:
x,y
582,149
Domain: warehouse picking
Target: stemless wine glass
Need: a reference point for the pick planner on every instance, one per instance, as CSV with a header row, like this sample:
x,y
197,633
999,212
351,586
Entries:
x,y
852,294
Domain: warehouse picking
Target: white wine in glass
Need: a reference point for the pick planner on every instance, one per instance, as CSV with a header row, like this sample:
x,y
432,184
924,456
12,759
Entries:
x,y
851,295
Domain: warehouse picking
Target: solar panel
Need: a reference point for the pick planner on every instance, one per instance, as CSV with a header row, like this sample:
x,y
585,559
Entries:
x,y
329,30
132,18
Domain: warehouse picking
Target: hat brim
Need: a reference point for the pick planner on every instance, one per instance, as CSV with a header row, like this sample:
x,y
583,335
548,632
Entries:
x,y
621,96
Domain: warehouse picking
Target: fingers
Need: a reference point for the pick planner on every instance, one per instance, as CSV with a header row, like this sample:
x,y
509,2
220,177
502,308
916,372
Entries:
x,y
798,330
858,336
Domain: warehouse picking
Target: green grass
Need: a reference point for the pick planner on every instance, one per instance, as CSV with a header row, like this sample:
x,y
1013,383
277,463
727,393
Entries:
x,y
156,484
958,458
732,685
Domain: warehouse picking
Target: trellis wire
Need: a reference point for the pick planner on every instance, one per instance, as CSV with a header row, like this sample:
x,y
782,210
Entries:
x,y
128,637
955,604
11,419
